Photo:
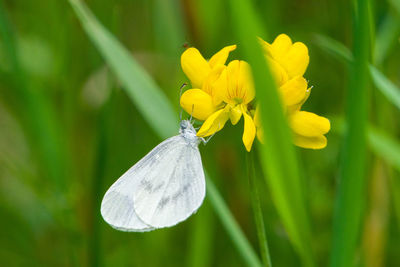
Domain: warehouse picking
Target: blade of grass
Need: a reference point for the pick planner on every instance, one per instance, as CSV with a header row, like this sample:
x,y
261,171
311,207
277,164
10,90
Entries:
x,y
95,255
396,5
387,148
44,134
169,31
139,86
36,113
385,86
350,198
382,144
277,155
333,47
258,216
231,225
395,192
143,91
386,37
202,239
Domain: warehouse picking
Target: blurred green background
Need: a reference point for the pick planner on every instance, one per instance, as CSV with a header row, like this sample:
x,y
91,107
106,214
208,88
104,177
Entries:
x,y
68,130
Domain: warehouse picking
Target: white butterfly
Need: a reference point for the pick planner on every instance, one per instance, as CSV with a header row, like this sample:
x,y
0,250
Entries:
x,y
164,188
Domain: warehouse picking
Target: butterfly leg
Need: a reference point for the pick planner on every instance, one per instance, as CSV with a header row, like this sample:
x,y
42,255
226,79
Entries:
x,y
205,141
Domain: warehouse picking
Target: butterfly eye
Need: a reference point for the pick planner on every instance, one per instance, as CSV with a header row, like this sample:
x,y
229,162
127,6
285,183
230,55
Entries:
x,y
183,125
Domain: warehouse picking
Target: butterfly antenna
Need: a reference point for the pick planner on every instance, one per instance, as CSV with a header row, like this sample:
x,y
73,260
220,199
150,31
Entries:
x,y
191,115
180,95
181,89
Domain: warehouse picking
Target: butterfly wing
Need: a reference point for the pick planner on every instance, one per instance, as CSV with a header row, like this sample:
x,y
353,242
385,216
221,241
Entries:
x,y
173,189
117,207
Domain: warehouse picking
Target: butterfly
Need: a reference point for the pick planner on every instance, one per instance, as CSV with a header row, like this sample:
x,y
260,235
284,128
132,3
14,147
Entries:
x,y
161,190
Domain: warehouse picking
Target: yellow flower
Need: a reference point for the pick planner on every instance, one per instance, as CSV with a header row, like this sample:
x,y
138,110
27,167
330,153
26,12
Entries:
x,y
235,89
200,101
308,128
221,93
288,62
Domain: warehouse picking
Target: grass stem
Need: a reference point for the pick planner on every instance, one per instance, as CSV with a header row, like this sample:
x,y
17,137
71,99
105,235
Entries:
x,y
256,205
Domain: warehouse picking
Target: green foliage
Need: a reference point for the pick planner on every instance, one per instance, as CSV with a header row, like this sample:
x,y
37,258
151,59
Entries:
x,y
277,154
350,201
140,87
145,93
387,88
87,90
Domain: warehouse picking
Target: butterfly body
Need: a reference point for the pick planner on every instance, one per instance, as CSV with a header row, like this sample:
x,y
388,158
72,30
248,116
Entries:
x,y
188,132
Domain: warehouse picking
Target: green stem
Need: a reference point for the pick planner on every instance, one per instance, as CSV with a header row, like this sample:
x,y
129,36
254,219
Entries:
x,y
258,217
231,226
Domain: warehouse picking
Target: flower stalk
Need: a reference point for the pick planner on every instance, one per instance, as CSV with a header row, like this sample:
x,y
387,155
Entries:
x,y
256,205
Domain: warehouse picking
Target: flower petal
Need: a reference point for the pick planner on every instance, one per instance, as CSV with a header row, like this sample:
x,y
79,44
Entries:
x,y
315,142
195,67
278,72
208,84
294,91
245,82
235,114
214,123
293,57
197,103
235,85
281,45
296,60
309,124
221,56
249,132
220,87
295,108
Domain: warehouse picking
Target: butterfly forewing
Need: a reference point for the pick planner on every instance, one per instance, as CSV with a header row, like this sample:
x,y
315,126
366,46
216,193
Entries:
x,y
117,207
174,188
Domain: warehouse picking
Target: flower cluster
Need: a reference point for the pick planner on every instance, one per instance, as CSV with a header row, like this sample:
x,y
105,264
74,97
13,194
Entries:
x,y
223,92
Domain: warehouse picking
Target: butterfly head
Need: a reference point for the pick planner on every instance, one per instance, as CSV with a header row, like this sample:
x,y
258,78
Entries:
x,y
188,131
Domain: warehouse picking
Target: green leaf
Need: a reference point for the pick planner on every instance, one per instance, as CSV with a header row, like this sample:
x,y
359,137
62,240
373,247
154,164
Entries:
x,y
385,146
386,37
143,91
387,88
382,83
157,111
396,5
333,47
277,155
257,211
169,34
231,225
350,197
36,113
